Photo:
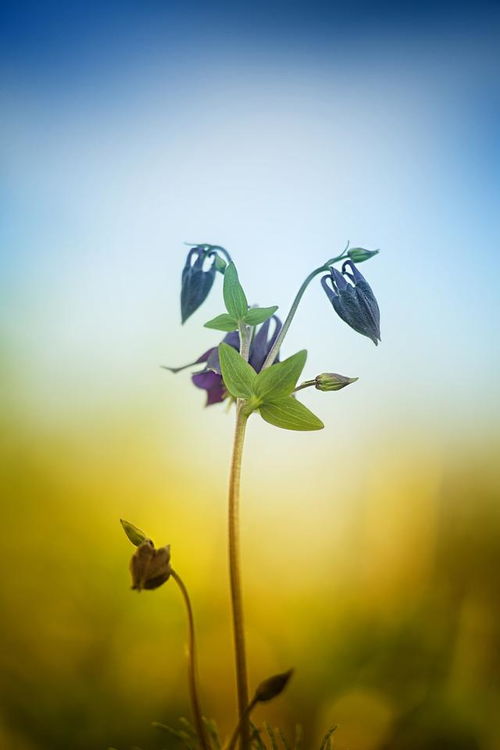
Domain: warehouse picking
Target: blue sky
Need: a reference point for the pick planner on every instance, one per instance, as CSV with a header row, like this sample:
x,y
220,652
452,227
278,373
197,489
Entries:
x,y
280,130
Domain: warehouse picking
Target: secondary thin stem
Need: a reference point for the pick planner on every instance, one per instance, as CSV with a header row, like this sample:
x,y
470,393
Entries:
x,y
286,325
305,384
192,667
235,576
245,340
245,717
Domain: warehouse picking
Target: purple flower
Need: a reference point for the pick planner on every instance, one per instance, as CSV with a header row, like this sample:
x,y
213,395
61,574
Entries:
x,y
196,280
353,300
210,379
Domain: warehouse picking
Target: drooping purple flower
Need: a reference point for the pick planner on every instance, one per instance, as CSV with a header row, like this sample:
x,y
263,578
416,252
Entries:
x,y
353,300
196,280
210,379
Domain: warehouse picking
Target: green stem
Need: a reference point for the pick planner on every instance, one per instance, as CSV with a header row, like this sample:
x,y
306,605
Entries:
x,y
223,251
305,384
234,517
192,668
288,321
235,576
245,717
245,339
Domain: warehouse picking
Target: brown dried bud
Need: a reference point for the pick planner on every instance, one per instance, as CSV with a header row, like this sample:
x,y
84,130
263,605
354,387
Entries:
x,y
150,567
272,687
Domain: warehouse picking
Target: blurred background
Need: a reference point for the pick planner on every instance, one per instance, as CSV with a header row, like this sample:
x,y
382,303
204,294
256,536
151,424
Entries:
x,y
371,549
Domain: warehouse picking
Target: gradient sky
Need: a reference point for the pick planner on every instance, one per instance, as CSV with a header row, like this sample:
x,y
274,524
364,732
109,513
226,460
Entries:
x,y
280,130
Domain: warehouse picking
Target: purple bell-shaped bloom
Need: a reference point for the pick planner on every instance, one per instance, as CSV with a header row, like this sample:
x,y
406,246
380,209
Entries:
x,y
197,279
353,300
210,379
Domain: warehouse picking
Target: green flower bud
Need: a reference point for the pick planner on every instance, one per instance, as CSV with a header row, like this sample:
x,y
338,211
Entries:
x,y
135,535
359,254
331,381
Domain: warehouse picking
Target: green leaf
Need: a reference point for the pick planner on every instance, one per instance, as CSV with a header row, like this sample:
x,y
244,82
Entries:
x,y
135,535
237,374
280,379
234,296
222,322
258,315
290,414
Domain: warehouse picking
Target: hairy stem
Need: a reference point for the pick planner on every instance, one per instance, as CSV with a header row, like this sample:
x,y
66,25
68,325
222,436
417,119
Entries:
x,y
192,666
288,321
245,339
235,576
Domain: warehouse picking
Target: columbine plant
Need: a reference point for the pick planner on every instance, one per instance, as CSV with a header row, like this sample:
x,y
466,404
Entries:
x,y
245,369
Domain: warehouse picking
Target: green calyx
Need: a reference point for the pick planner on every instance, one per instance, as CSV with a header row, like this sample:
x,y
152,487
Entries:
x,y
270,391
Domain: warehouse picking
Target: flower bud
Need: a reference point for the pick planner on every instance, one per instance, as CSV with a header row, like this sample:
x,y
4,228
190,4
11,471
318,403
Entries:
x,y
272,687
135,535
359,254
353,300
150,567
331,381
196,281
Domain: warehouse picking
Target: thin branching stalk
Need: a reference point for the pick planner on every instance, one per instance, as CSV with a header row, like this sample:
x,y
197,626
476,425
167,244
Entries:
x,y
192,665
235,576
234,515
288,321
305,384
235,556
244,718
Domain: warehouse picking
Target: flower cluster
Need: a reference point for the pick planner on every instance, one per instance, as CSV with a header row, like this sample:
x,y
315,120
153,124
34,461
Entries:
x,y
348,291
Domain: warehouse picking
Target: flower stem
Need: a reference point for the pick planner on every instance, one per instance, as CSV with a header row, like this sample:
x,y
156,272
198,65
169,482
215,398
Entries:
x,y
192,668
245,717
245,339
305,384
286,325
235,576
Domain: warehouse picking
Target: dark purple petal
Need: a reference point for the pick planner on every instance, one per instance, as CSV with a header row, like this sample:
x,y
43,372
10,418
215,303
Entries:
x,y
368,303
261,345
211,382
339,280
330,291
204,358
355,275
231,339
196,282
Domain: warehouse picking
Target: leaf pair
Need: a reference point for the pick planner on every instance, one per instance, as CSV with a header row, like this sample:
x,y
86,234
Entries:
x,y
237,306
269,391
